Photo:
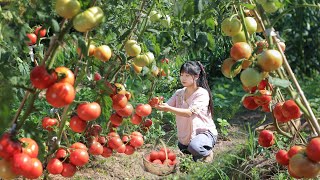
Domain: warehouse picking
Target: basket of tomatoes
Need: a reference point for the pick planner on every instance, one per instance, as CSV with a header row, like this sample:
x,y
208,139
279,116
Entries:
x,y
161,162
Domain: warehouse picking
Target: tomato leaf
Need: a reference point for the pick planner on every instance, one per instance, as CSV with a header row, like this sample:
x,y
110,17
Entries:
x,y
279,82
55,25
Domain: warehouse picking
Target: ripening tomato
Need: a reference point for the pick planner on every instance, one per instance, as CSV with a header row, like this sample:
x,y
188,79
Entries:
x,y
40,31
77,125
249,103
119,101
36,170
29,147
79,157
103,53
68,170
282,157
5,170
60,94
40,77
67,8
89,111
32,39
240,50
97,76
49,123
8,147
54,166
65,75
143,110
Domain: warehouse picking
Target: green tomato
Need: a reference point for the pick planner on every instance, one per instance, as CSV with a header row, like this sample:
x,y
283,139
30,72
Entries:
x,y
132,48
88,19
166,21
240,37
251,24
154,16
150,57
67,8
231,27
141,60
270,7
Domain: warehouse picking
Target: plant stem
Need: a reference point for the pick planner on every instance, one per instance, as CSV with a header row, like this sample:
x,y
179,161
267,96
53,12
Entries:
x,y
62,124
246,33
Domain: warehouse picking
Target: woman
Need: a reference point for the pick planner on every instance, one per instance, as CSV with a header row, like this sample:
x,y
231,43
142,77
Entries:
x,y
193,108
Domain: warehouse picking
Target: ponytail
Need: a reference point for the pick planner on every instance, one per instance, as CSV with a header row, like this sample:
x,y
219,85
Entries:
x,y
203,82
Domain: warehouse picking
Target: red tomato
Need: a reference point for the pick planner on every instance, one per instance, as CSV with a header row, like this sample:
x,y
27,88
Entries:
x,y
135,119
96,148
126,111
154,155
136,141
78,145
162,155
29,147
119,101
21,164
61,153
77,125
107,152
121,148
97,76
48,123
40,31
54,166
157,161
40,78
143,110
147,123
65,75
68,170
114,142
60,94
89,111
36,170
129,150
32,39
125,139
8,147
136,133
116,119
172,156
79,157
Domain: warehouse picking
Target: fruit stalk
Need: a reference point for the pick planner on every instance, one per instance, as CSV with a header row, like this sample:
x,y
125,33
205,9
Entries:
x,y
244,24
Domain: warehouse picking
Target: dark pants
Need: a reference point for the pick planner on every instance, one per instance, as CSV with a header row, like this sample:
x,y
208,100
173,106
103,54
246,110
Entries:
x,y
200,146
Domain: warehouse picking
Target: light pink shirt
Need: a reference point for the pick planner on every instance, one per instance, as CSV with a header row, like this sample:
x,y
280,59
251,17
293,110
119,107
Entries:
x,y
200,120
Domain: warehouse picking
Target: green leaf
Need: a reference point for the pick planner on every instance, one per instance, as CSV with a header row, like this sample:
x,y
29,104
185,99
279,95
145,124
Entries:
x,y
279,82
211,23
211,41
55,25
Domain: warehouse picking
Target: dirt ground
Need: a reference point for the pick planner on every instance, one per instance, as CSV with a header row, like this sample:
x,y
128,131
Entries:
x,y
121,166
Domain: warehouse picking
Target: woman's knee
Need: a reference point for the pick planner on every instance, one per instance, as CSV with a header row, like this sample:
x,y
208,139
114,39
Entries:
x,y
197,149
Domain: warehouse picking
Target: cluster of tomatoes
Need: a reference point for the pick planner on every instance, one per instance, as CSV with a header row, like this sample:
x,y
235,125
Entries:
x,y
19,157
59,84
301,161
163,156
38,32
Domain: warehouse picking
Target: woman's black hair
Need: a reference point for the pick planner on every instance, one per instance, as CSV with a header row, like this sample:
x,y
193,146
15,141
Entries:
x,y
196,68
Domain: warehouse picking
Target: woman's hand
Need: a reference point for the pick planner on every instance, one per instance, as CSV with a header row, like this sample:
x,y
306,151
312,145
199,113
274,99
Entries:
x,y
163,107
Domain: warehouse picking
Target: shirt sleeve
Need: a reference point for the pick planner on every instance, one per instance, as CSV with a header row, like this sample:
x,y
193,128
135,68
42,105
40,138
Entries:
x,y
173,100
200,102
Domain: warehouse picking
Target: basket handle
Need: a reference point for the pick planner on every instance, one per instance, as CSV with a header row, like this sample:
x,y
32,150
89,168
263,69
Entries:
x,y
165,149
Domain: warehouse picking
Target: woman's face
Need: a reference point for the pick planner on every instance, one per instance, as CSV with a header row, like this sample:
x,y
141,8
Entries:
x,y
187,79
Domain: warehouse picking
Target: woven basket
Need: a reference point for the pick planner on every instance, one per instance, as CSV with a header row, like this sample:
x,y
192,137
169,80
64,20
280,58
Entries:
x,y
158,169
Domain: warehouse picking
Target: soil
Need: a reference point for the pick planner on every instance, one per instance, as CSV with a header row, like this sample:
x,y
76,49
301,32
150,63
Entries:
x,y
121,166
